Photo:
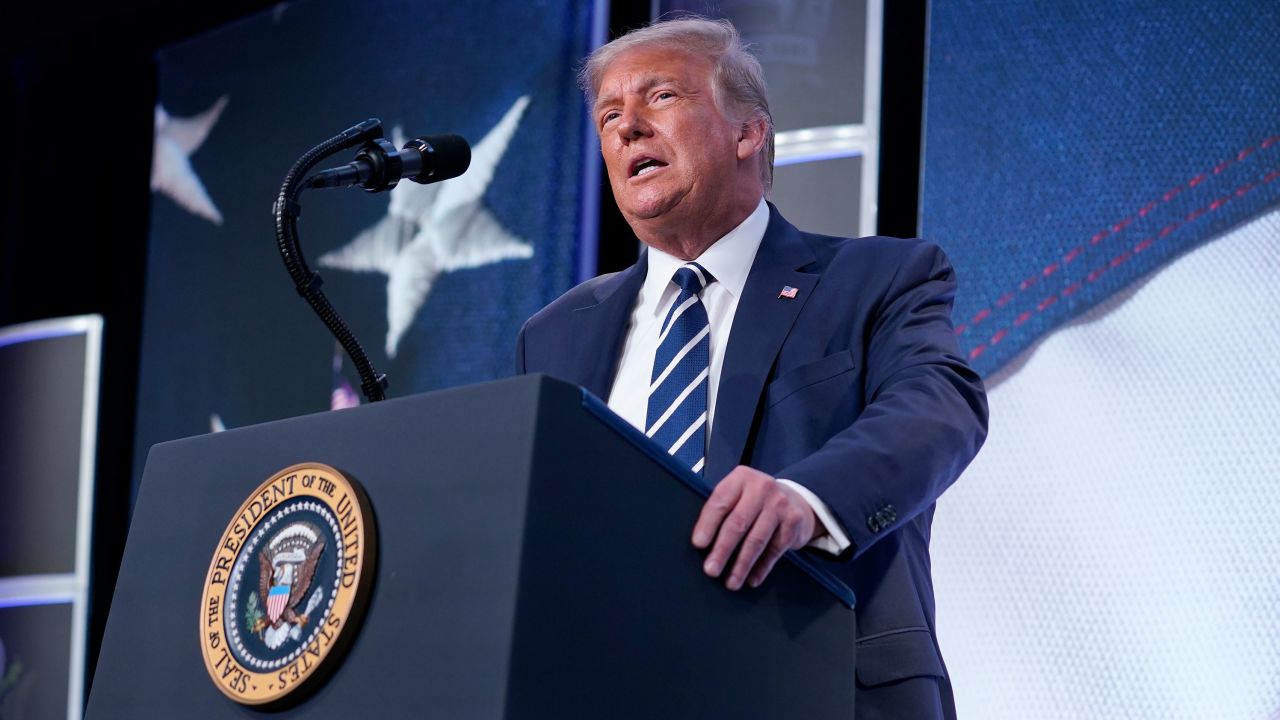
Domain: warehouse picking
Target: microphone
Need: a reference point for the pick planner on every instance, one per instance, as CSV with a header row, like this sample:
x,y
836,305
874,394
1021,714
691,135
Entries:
x,y
379,166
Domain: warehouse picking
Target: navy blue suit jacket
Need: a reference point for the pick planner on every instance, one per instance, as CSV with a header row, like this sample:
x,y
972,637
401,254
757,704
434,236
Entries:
x,y
854,389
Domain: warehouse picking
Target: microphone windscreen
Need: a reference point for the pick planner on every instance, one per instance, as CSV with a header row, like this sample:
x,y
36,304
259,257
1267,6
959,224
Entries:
x,y
443,156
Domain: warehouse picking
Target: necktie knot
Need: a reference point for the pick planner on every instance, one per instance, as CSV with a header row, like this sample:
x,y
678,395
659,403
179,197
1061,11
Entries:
x,y
691,278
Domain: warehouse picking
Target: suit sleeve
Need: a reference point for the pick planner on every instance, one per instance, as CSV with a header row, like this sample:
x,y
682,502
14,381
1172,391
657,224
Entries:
x,y
925,417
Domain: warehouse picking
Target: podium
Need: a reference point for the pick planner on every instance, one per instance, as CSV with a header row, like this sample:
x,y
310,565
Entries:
x,y
533,561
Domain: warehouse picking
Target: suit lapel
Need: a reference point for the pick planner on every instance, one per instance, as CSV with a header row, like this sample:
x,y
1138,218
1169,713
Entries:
x,y
760,325
598,330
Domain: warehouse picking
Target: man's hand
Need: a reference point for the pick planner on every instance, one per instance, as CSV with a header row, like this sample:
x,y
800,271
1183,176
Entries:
x,y
753,510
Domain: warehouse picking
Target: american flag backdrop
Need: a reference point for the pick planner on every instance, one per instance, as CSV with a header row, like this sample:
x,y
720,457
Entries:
x,y
434,280
1105,177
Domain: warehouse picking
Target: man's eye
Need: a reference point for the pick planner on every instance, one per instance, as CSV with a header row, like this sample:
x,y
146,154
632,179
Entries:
x,y
665,94
609,116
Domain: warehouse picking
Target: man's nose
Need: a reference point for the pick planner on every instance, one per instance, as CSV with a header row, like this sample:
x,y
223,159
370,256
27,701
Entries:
x,y
633,124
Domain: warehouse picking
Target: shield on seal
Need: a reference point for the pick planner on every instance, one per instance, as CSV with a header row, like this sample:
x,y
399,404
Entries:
x,y
277,600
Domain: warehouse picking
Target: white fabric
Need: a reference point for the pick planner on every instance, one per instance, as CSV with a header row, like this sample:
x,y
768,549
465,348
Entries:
x,y
1114,551
836,540
729,262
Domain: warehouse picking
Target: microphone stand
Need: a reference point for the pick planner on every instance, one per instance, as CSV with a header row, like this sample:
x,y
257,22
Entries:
x,y
286,210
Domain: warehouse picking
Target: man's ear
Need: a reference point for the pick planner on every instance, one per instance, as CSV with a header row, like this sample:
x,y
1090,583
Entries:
x,y
751,136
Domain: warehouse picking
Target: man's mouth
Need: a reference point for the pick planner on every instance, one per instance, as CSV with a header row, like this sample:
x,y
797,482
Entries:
x,y
645,165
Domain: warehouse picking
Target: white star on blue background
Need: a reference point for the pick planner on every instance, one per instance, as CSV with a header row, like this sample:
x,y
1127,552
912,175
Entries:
x,y
432,229
171,172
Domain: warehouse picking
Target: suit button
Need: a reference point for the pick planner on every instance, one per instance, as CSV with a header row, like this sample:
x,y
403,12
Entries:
x,y
890,514
873,522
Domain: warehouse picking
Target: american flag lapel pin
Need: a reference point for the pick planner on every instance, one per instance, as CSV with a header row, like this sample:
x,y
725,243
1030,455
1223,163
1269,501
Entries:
x,y
788,292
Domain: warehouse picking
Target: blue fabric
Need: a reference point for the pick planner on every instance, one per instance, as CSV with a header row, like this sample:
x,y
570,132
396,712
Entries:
x,y
1074,147
665,424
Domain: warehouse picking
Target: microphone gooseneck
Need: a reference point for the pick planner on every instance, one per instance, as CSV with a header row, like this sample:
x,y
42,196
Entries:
x,y
378,166
286,211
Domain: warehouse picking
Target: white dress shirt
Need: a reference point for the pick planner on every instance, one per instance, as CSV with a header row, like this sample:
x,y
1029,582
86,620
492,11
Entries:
x,y
729,261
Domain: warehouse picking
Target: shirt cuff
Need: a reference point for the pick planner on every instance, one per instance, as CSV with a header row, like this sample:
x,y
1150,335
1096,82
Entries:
x,y
836,540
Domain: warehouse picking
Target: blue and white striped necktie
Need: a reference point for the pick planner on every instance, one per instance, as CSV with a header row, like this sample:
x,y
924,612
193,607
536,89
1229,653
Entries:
x,y
677,416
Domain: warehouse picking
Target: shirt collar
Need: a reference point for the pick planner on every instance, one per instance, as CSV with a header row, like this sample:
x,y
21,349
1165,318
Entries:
x,y
728,259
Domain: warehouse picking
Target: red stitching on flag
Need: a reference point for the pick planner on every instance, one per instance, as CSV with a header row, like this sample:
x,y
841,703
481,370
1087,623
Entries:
x,y
1116,228
1114,262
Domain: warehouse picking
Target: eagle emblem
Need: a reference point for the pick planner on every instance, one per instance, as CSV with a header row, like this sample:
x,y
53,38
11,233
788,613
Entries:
x,y
286,567
287,586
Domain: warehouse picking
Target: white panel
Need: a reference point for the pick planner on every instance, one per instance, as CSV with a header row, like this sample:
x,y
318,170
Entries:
x,y
1113,551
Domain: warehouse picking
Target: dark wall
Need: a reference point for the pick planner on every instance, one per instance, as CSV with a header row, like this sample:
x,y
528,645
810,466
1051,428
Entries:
x,y
79,93
901,114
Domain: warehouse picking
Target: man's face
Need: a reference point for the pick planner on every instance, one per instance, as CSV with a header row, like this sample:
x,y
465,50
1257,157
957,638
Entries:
x,y
671,154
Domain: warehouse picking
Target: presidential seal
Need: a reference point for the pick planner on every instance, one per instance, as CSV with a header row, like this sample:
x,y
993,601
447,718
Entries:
x,y
287,585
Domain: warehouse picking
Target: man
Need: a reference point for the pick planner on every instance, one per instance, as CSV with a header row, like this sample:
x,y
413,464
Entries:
x,y
815,378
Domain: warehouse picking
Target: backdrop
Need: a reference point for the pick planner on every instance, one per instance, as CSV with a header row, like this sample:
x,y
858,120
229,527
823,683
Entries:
x,y
1104,177
435,280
